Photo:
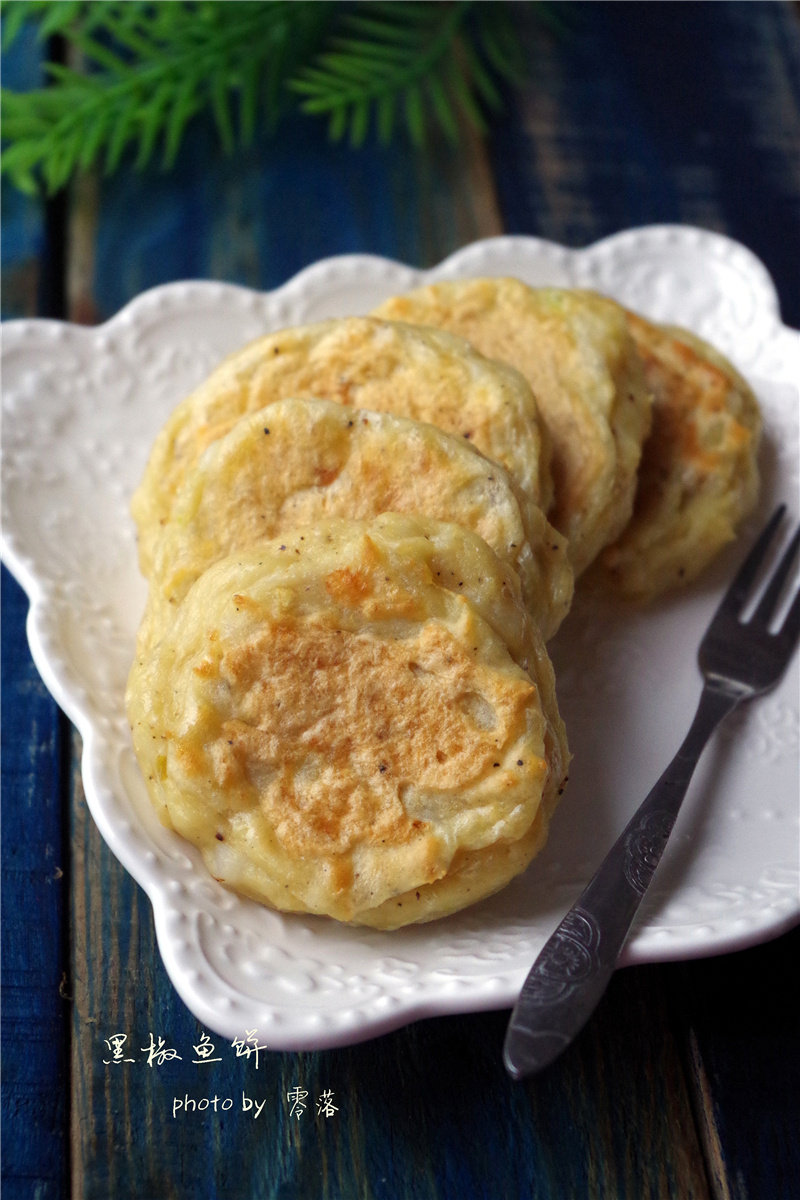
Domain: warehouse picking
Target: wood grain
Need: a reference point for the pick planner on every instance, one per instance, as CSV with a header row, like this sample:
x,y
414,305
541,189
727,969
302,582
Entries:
x,y
35,1011
638,115
679,1088
736,1018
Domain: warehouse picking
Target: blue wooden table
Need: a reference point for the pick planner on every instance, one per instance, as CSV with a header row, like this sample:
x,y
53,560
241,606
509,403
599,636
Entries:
x,y
686,1082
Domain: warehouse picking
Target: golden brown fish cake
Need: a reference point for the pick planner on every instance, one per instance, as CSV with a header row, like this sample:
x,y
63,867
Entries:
x,y
296,462
455,557
575,350
339,734
699,474
361,362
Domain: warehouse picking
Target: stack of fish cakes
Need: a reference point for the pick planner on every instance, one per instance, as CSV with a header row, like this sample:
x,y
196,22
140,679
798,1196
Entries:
x,y
299,460
654,434
425,374
577,353
341,693
340,733
359,536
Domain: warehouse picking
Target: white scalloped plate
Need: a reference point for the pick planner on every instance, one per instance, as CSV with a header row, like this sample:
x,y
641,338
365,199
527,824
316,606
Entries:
x,y
81,407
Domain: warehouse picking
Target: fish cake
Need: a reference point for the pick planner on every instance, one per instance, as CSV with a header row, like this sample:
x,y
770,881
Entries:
x,y
457,558
699,472
360,362
575,350
296,462
339,734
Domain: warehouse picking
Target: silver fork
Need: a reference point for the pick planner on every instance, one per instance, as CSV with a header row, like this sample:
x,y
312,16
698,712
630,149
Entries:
x,y
739,660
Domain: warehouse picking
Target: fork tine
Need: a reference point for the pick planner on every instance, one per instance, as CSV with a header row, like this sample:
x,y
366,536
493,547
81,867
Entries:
x,y
769,600
743,581
789,632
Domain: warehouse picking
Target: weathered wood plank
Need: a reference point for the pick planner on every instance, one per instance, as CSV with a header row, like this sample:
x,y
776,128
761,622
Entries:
x,y
647,113
35,855
260,218
422,1113
737,1018
23,240
35,877
426,1111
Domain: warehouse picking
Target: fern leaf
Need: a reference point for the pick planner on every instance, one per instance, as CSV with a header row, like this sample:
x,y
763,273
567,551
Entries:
x,y
184,107
14,18
160,71
391,51
21,160
337,126
20,122
94,138
151,124
385,118
415,115
56,18
499,43
129,35
248,102
72,81
347,69
469,105
121,136
220,106
426,56
443,109
482,81
399,29
359,123
151,68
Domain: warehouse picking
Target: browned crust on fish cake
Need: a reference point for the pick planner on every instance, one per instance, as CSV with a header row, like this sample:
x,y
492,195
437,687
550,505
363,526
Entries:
x,y
336,731
575,350
699,475
297,461
360,362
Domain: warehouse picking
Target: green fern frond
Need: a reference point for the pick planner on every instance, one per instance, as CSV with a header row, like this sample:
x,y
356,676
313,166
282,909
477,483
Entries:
x,y
147,70
150,69
404,51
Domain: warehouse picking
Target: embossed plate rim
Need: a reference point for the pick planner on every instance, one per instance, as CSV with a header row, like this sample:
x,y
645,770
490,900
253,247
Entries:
x,y
313,986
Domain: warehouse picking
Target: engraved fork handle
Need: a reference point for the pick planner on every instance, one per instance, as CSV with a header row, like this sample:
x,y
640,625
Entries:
x,y
575,965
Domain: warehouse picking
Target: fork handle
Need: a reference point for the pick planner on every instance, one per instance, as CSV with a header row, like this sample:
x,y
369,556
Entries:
x,y
575,965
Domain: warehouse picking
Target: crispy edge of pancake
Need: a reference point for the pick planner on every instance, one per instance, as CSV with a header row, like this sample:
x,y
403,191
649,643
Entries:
x,y
574,348
699,473
143,710
363,362
297,461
